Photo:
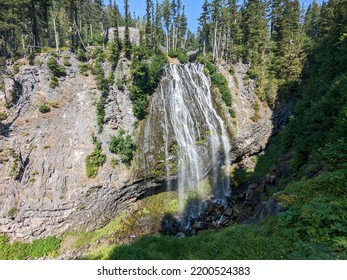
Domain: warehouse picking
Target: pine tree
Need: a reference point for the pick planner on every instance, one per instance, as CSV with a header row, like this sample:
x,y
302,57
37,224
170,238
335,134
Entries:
x,y
182,29
148,28
127,43
235,33
255,30
167,21
311,22
288,40
158,27
204,22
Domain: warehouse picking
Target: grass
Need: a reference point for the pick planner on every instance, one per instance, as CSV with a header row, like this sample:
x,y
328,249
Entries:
x,y
143,217
44,109
237,242
95,160
45,247
313,227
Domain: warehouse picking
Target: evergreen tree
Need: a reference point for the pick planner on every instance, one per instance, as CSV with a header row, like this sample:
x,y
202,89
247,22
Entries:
x,y
204,22
182,29
255,30
288,40
148,28
167,21
311,22
127,43
235,33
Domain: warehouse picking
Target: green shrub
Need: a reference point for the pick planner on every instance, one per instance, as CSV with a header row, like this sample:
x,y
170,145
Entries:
x,y
16,69
44,109
12,212
81,56
83,67
31,59
3,116
218,80
120,85
180,55
55,68
45,247
145,78
256,116
124,146
95,160
67,62
54,82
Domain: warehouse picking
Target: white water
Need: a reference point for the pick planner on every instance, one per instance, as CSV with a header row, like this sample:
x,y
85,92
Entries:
x,y
191,119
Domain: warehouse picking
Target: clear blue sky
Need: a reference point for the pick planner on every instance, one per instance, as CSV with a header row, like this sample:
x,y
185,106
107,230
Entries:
x,y
192,8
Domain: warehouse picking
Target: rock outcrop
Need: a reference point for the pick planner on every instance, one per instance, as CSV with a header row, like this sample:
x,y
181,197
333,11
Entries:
x,y
44,189
252,125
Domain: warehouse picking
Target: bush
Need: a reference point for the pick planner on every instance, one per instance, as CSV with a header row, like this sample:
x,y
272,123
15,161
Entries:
x,y
37,249
123,146
95,160
53,82
180,55
56,69
120,85
81,56
67,62
145,78
83,67
44,109
218,80
3,116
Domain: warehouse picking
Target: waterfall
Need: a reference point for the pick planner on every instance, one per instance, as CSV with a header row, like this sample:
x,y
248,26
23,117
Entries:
x,y
195,143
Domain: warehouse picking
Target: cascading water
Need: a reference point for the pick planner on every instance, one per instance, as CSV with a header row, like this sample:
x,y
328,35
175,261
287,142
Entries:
x,y
196,143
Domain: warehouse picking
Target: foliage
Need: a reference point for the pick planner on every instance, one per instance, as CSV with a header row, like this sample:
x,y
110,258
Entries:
x,y
124,146
145,72
3,116
57,70
45,247
180,55
218,80
54,82
95,160
236,242
144,215
44,109
103,86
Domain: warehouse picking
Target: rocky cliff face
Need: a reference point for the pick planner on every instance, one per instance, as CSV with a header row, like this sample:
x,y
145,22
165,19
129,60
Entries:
x,y
44,189
252,126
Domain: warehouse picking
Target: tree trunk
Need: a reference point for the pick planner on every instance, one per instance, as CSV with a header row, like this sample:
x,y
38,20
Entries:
x,y
56,34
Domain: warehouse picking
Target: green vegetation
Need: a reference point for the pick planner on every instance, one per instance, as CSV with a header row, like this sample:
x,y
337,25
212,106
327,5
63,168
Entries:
x,y
45,247
12,212
56,72
145,72
218,80
180,55
44,109
103,87
144,216
3,116
95,160
255,106
124,146
236,242
56,69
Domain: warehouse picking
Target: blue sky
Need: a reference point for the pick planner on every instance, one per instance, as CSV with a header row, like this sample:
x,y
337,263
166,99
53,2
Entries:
x,y
192,8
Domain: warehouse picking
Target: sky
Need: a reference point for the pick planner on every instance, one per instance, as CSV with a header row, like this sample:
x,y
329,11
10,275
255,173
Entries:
x,y
192,8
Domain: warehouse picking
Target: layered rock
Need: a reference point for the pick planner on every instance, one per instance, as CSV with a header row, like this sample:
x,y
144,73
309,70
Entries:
x,y
44,189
